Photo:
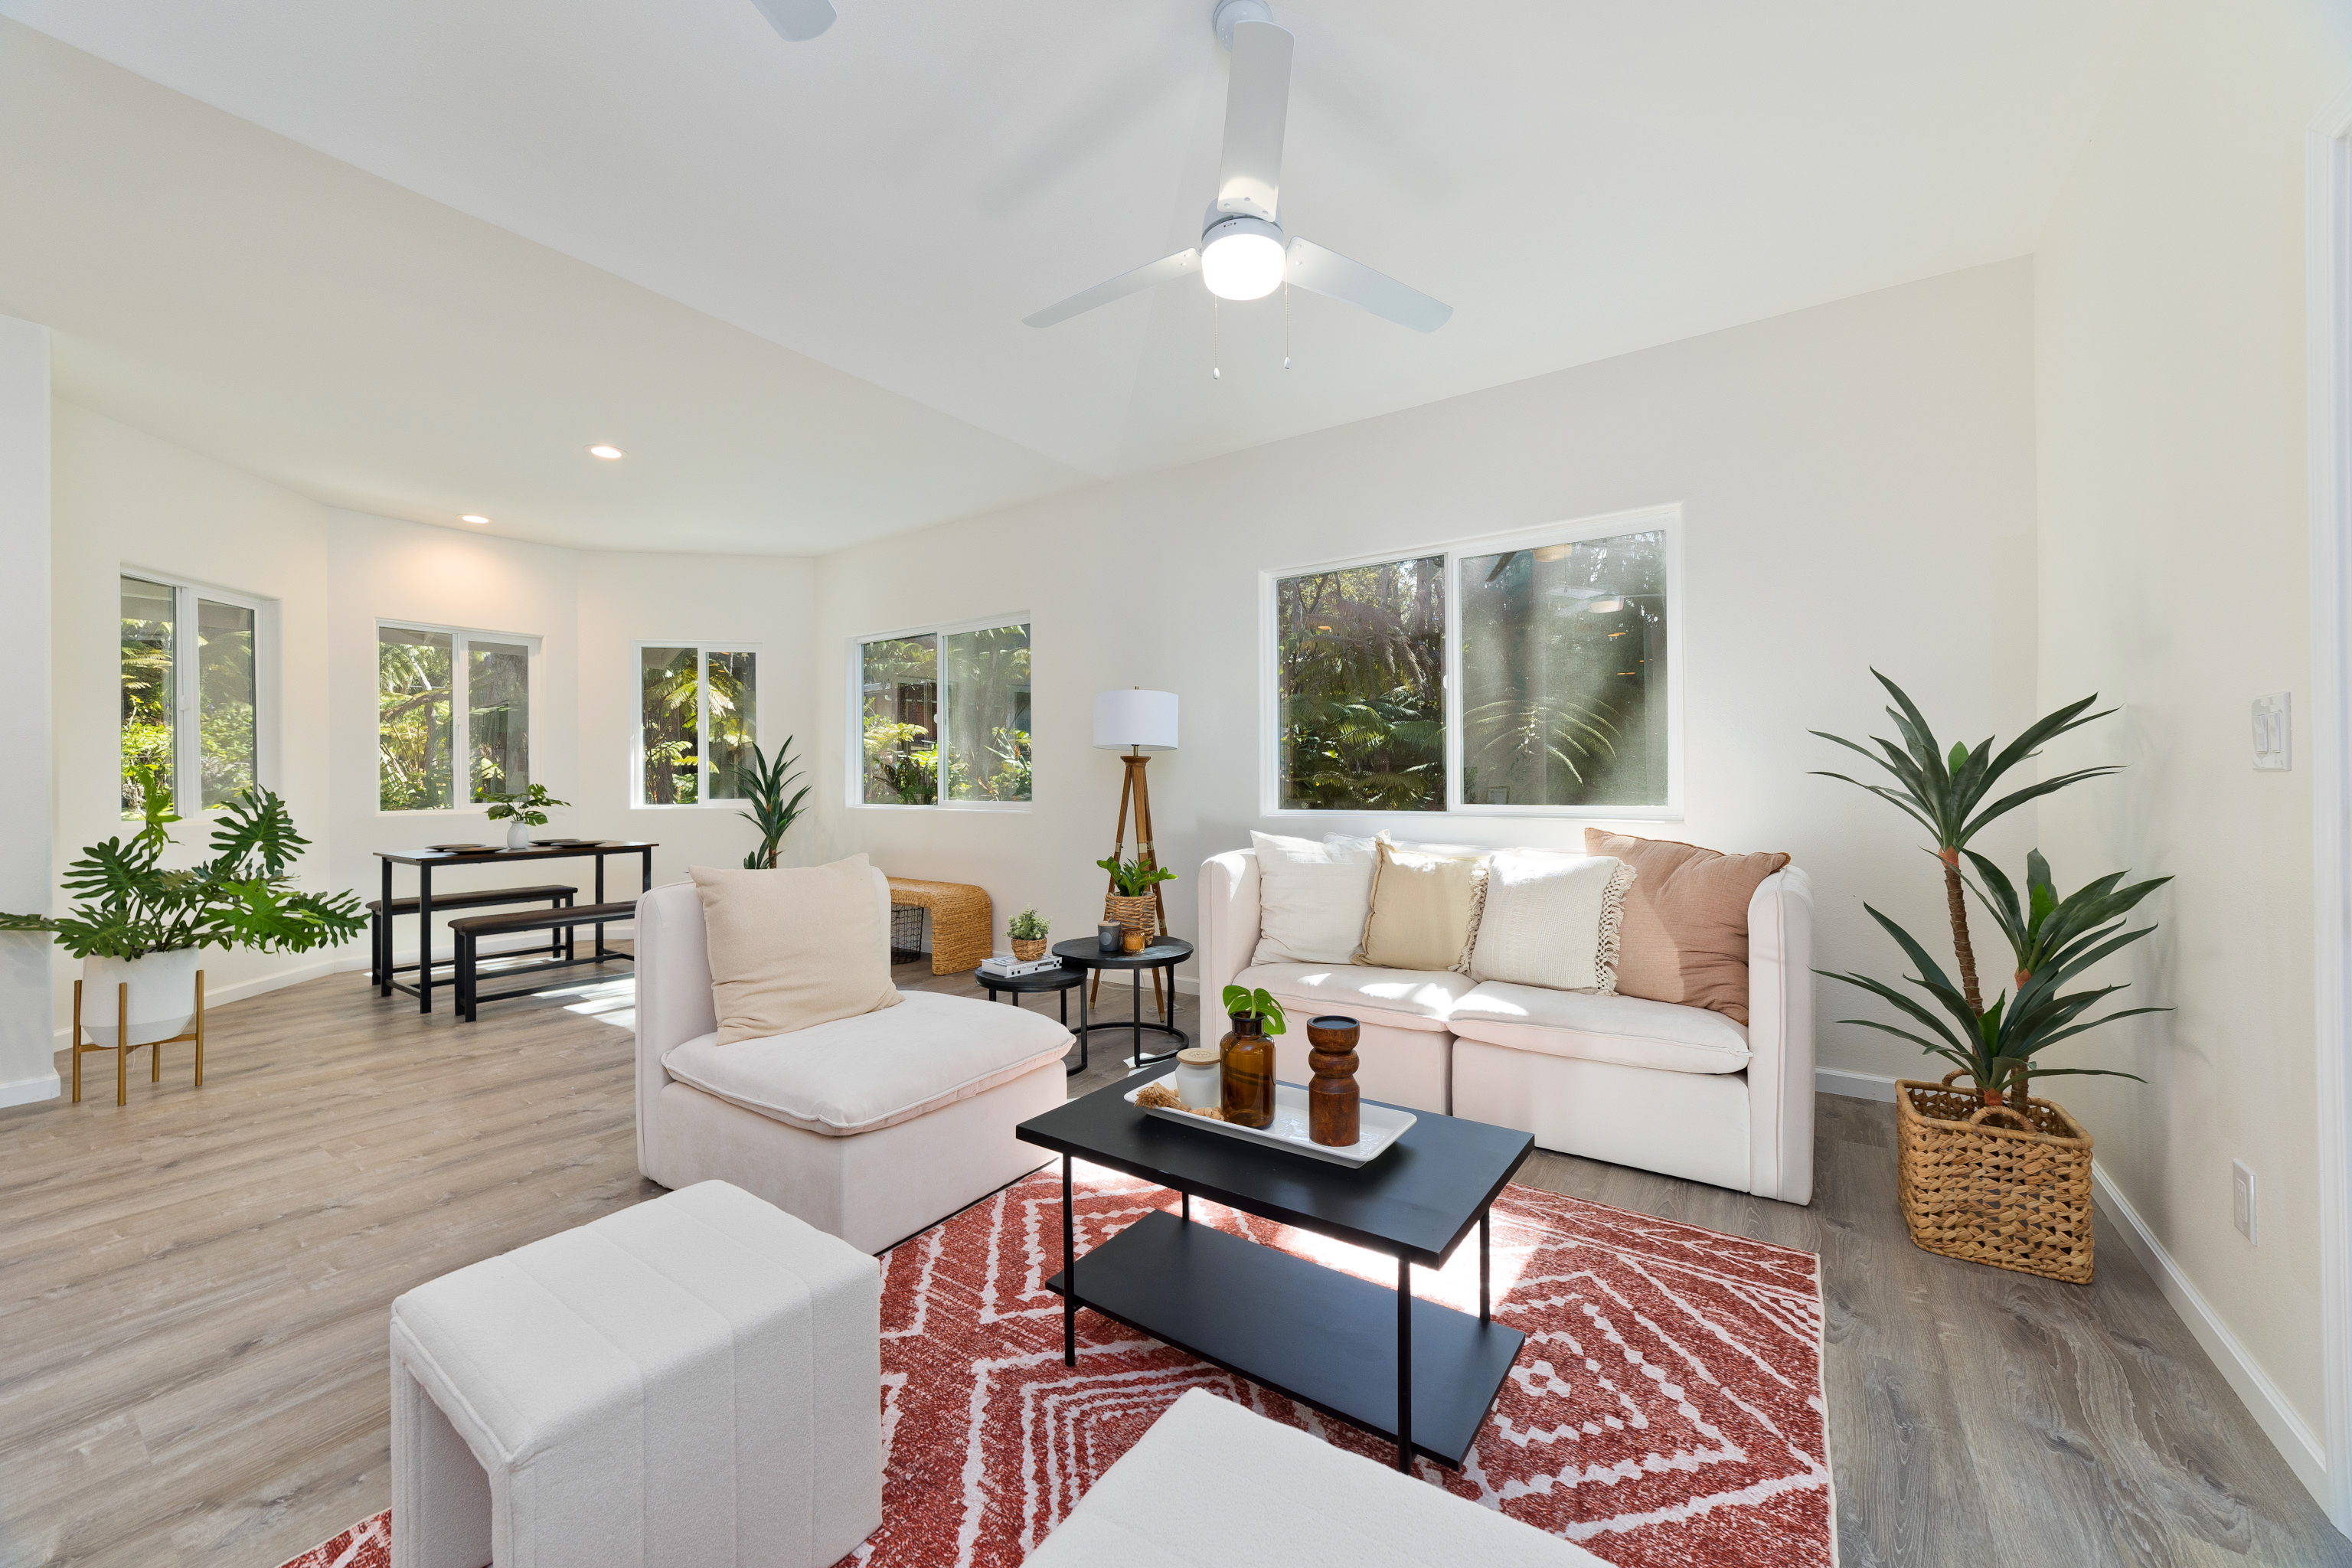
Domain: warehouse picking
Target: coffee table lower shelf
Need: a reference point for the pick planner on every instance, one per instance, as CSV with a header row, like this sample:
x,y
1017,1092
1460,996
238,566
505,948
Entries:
x,y
1325,1339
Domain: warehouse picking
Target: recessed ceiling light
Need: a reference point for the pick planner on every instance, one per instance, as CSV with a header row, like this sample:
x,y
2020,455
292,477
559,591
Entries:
x,y
471,517
601,450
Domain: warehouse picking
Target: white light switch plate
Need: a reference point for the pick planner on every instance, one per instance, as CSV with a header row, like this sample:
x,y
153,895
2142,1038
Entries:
x,y
2242,1201
2273,750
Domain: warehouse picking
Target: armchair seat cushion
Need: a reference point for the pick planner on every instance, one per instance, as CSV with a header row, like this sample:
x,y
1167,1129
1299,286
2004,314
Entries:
x,y
1403,998
876,1069
1627,1030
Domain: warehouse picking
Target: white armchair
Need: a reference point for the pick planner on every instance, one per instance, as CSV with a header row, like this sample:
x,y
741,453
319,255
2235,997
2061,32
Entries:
x,y
871,1128
1681,1091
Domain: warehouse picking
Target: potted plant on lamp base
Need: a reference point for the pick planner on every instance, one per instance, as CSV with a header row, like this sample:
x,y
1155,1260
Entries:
x,y
522,811
1986,1171
137,927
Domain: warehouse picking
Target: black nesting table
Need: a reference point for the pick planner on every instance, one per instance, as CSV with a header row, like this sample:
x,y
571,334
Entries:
x,y
1166,953
1417,1374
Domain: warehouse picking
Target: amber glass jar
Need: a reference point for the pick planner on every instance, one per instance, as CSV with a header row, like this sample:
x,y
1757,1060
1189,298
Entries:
x,y
1246,1057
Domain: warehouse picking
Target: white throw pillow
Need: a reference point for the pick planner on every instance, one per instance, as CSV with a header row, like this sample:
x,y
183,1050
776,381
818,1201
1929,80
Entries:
x,y
1551,920
1312,899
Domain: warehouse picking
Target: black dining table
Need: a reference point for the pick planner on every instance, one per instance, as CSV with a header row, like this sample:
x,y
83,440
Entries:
x,y
428,861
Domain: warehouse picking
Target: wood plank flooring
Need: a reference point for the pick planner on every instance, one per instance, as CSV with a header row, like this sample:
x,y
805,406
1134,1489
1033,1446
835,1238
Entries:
x,y
193,1292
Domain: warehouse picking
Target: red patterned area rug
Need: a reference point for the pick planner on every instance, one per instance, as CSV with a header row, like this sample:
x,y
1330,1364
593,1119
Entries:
x,y
1666,1409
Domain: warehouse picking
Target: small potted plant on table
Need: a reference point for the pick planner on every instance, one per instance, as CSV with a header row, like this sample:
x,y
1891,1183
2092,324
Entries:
x,y
522,811
1027,931
1134,898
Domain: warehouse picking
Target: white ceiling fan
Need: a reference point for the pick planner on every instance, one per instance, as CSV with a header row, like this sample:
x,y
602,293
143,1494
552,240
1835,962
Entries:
x,y
1243,253
797,20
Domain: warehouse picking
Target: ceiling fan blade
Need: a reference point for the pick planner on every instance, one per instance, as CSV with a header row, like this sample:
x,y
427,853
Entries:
x,y
1332,275
797,20
1119,287
1257,102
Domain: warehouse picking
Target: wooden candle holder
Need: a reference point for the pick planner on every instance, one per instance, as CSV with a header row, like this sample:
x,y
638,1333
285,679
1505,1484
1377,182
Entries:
x,y
1334,1104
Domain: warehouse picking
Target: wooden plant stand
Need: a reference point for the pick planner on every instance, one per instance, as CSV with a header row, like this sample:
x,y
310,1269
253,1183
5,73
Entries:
x,y
122,1048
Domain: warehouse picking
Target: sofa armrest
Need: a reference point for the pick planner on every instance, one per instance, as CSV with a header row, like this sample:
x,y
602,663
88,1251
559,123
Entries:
x,y
1228,923
1781,1037
674,1002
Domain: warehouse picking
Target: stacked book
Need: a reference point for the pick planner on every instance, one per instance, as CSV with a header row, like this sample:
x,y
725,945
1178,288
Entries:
x,y
1002,967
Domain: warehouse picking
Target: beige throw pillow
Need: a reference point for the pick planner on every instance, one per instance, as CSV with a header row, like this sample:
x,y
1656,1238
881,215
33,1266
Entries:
x,y
1551,921
1311,899
1421,910
794,949
1684,936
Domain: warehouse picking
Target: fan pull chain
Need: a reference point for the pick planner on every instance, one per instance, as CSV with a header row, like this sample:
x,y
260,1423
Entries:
x,y
1215,353
1286,323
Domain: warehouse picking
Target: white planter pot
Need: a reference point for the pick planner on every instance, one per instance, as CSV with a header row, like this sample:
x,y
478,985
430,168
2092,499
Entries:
x,y
518,835
162,996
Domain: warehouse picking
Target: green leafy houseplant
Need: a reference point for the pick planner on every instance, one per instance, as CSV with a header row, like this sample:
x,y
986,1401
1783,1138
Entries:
x,y
128,906
2052,938
1027,926
761,781
1134,879
529,806
1241,1002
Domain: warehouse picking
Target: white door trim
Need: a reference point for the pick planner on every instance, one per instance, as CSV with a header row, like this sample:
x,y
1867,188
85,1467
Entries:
x,y
2328,322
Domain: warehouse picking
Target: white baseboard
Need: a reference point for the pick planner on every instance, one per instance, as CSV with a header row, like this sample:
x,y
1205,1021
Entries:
x,y
2286,1430
2294,1440
30,1090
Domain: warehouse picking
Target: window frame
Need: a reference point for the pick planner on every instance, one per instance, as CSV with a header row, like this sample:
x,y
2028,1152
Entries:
x,y
853,695
460,683
1664,518
187,686
703,648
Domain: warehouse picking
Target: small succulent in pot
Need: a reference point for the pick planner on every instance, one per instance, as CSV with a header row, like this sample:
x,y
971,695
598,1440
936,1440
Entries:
x,y
1028,931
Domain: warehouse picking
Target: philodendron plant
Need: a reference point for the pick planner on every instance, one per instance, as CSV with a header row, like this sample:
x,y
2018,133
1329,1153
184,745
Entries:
x,y
2052,938
1135,877
1241,1002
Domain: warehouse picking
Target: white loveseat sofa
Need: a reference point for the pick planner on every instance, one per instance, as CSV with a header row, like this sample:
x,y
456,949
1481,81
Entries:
x,y
871,1128
1685,1091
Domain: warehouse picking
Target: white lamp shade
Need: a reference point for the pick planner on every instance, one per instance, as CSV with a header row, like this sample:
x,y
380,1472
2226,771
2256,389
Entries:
x,y
1145,720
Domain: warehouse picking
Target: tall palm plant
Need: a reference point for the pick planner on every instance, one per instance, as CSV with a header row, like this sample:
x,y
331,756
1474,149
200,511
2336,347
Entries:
x,y
1950,795
763,782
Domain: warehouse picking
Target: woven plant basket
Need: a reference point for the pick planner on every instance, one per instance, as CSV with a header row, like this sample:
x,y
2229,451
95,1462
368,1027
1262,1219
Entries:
x,y
1993,1183
1027,950
1136,914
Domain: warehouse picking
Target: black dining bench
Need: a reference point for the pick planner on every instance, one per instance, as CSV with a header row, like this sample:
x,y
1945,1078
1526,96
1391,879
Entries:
x,y
564,922
380,921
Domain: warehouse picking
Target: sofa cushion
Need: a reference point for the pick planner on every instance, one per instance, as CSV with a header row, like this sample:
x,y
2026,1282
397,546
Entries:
x,y
1551,920
878,1069
1627,1030
1311,899
1421,910
1405,998
796,948
1684,934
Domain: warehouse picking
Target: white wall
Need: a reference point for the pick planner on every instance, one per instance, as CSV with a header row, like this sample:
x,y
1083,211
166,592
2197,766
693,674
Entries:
x,y
2172,565
126,499
1857,487
25,887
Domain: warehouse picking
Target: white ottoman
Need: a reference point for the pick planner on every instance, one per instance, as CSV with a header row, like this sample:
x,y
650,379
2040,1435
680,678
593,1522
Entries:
x,y
1214,1485
692,1382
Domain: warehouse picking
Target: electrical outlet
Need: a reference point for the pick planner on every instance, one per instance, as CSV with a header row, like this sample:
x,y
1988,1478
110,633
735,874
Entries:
x,y
2274,751
2242,1201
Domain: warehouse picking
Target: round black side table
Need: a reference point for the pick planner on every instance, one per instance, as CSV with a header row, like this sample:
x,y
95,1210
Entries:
x,y
1165,953
1013,987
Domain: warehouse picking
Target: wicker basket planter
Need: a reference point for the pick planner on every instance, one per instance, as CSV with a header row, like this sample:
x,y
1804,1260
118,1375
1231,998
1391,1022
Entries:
x,y
1136,914
1994,1185
1028,952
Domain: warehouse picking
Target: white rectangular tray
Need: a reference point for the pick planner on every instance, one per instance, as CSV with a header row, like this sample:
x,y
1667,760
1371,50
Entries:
x,y
1379,1125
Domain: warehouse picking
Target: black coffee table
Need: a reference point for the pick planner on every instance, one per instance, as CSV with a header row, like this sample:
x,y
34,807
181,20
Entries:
x,y
1417,1374
1163,953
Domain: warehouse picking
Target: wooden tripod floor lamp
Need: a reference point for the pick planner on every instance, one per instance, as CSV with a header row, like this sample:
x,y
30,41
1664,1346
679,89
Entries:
x,y
1137,723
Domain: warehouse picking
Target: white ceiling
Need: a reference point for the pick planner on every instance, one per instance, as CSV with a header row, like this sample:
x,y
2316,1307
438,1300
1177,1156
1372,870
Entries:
x,y
1579,178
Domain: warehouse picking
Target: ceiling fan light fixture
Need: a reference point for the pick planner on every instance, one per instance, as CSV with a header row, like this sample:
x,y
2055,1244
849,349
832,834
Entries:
x,y
1243,259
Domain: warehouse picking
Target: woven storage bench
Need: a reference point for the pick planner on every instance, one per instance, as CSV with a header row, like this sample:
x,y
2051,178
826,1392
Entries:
x,y
1975,1185
963,923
